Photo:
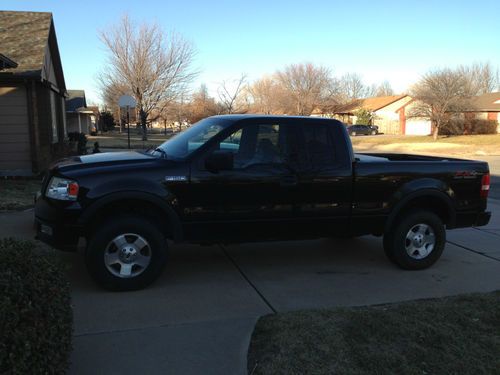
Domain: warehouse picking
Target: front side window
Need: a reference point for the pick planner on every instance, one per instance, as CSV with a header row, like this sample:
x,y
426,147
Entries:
x,y
185,143
255,145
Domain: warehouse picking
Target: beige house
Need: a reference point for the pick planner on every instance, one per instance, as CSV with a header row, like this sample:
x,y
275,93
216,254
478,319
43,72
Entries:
x,y
32,93
390,114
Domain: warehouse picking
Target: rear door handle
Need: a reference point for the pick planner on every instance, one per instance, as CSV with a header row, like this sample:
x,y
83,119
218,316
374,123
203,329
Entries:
x,y
287,181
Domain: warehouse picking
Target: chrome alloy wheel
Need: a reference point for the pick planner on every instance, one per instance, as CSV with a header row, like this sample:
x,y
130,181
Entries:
x,y
420,241
127,255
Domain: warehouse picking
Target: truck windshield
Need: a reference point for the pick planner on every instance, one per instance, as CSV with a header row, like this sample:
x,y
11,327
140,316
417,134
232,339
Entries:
x,y
183,144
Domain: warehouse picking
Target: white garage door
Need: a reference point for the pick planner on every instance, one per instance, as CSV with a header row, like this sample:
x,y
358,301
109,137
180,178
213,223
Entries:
x,y
14,133
418,127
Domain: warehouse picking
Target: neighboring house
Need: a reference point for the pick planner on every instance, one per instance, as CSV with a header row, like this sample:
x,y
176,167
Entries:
x,y
32,93
485,107
390,114
81,118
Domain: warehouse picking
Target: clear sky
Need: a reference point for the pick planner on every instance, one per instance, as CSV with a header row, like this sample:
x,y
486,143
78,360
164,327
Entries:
x,y
381,40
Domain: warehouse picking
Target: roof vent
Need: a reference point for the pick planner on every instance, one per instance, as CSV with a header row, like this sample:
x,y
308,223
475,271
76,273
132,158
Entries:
x,y
6,63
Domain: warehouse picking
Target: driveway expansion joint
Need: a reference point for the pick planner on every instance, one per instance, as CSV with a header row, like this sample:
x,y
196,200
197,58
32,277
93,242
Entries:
x,y
167,325
473,251
247,279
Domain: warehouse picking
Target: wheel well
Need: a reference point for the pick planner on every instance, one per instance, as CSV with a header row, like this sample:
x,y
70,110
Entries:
x,y
136,207
427,203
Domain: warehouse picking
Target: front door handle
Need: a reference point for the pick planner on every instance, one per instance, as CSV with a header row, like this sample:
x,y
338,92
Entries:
x,y
288,181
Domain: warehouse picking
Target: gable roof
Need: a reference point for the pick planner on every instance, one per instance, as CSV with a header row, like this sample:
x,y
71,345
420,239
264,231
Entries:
x,y
23,38
29,39
376,103
370,104
487,102
76,100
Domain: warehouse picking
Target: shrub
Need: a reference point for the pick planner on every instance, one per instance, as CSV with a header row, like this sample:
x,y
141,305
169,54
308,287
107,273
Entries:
x,y
363,117
484,127
35,311
469,126
81,141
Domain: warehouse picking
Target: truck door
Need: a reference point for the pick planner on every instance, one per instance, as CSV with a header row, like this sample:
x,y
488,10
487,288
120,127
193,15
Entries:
x,y
254,199
325,182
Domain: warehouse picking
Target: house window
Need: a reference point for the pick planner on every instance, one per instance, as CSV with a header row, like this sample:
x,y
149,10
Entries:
x,y
53,117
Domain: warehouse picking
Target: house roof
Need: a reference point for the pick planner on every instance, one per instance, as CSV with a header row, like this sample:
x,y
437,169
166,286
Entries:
x,y
76,101
6,63
23,39
487,102
370,104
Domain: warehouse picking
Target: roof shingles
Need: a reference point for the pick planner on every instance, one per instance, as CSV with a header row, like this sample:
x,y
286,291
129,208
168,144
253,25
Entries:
x,y
23,39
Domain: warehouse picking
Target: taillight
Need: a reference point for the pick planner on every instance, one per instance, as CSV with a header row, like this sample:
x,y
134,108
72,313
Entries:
x,y
485,185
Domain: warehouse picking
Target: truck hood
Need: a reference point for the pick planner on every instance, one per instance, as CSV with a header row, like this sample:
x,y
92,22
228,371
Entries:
x,y
91,163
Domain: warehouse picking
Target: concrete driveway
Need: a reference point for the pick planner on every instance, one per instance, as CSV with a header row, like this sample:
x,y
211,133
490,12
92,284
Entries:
x,y
198,318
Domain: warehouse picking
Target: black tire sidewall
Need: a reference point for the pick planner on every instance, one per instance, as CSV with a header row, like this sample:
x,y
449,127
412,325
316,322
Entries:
x,y
394,242
94,256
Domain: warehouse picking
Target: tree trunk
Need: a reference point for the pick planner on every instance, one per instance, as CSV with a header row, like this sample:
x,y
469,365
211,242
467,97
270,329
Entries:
x,y
435,133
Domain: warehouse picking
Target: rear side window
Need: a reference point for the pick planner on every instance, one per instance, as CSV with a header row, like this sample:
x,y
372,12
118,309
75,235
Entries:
x,y
316,148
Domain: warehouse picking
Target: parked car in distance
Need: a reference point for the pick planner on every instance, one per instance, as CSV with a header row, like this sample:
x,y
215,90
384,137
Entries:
x,y
240,178
355,130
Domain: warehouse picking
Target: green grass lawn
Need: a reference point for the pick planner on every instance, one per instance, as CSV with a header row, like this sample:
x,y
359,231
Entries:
x,y
17,194
455,335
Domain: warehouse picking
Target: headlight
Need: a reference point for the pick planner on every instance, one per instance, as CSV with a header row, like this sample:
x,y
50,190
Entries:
x,y
62,189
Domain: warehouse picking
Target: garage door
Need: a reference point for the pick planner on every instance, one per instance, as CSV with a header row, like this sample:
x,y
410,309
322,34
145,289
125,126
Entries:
x,y
418,127
14,135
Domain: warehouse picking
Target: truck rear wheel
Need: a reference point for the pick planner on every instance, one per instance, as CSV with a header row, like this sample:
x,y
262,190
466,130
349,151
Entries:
x,y
126,253
416,241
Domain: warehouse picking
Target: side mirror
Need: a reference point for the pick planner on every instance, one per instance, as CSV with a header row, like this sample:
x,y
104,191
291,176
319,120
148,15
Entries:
x,y
219,160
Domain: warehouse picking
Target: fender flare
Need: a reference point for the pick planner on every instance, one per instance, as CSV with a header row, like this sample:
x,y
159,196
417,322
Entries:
x,y
172,217
428,192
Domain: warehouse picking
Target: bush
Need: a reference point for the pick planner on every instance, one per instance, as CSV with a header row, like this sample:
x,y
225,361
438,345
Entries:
x,y
484,127
363,117
469,126
35,312
81,140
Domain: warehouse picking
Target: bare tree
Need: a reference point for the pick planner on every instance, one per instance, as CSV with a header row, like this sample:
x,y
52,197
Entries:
x,y
384,89
352,87
268,96
440,95
153,66
201,105
230,95
482,77
307,85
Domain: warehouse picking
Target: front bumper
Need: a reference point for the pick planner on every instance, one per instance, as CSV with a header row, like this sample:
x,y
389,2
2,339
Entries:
x,y
56,224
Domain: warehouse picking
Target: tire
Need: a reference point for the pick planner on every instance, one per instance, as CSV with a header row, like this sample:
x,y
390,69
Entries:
x,y
374,132
126,253
417,241
353,134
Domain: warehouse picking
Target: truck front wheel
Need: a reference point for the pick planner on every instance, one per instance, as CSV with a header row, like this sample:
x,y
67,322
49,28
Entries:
x,y
416,241
126,253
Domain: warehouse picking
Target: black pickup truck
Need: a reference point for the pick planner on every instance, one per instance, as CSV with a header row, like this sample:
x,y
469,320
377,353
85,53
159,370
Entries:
x,y
240,178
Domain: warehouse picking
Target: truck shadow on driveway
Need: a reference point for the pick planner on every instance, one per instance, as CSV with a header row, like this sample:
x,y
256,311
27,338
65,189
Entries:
x,y
237,281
